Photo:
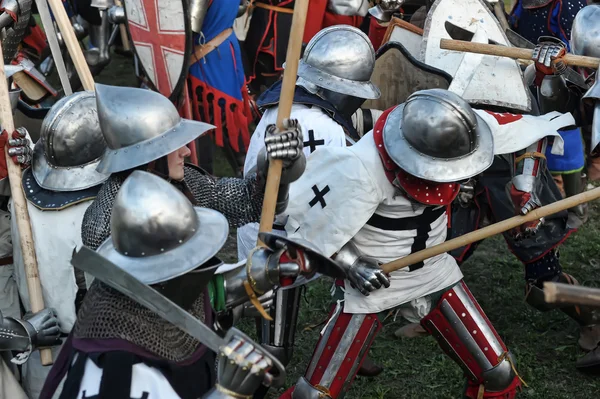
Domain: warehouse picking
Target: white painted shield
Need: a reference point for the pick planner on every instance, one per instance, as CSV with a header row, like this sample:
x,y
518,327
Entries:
x,y
496,81
409,35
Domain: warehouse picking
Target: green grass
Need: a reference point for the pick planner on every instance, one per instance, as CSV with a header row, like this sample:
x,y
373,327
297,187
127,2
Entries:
x,y
544,343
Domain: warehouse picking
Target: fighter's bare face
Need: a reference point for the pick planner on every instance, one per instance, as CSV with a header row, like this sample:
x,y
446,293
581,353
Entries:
x,y
175,161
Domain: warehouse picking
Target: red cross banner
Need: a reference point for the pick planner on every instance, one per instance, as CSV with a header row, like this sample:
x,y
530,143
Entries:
x,y
161,35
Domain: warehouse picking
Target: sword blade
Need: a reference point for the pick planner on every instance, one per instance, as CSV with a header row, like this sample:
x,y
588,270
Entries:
x,y
48,24
107,272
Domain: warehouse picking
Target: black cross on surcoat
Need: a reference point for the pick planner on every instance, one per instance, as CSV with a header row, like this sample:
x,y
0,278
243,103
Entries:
x,y
319,196
312,143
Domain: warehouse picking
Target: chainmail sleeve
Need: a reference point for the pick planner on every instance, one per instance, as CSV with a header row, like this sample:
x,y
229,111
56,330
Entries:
x,y
240,200
95,228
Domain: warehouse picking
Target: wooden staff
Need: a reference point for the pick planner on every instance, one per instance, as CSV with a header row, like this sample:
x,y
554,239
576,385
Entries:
x,y
492,230
571,294
68,35
286,100
123,29
19,205
513,52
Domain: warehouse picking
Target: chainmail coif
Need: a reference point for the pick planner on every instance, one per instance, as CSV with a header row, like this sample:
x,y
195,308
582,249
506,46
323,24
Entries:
x,y
108,314
239,200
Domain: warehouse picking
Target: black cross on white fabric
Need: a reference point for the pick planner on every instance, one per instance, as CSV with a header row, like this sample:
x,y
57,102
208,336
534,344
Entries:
x,y
312,143
319,196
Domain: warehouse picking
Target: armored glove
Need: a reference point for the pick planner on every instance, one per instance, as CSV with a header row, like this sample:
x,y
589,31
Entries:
x,y
19,148
43,328
285,145
549,58
363,272
525,202
241,370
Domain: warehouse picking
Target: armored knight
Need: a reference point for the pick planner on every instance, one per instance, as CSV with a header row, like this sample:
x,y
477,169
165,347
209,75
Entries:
x,y
268,35
330,88
144,131
22,337
518,180
557,89
118,348
397,182
60,185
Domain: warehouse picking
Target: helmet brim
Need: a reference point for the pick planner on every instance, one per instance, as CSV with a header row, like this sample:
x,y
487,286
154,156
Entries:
x,y
57,178
117,160
366,90
440,170
197,250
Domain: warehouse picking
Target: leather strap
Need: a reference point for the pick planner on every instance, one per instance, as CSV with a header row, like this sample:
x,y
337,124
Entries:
x,y
532,155
6,261
201,50
274,8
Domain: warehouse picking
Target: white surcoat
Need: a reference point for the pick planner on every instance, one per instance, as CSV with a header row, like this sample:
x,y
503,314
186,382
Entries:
x,y
318,129
55,234
345,195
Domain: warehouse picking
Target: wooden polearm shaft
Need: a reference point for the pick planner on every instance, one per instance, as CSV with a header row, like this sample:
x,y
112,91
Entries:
x,y
571,294
286,100
68,35
492,230
19,204
513,52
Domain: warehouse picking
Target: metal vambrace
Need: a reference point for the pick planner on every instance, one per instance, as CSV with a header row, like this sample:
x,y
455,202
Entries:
x,y
278,336
529,167
15,334
261,271
289,175
198,9
554,95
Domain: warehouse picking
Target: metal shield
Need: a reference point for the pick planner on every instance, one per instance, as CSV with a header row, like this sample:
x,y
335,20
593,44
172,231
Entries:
x,y
162,38
496,81
398,75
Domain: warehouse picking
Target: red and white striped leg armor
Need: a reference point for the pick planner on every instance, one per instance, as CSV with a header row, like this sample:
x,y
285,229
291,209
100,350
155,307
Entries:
x,y
341,350
457,323
466,335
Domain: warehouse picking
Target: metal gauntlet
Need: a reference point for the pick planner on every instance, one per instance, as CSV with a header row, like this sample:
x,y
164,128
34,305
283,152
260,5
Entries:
x,y
40,329
289,174
363,272
241,370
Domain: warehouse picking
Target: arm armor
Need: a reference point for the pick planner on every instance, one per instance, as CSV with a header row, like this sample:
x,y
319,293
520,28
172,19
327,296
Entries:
x,y
15,334
529,166
240,200
198,9
261,270
288,175
554,95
